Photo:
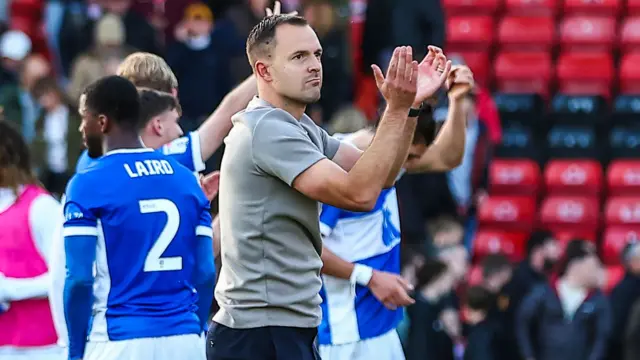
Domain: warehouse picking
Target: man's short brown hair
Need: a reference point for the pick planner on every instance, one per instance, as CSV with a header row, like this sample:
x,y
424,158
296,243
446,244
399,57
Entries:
x,y
149,71
154,103
261,39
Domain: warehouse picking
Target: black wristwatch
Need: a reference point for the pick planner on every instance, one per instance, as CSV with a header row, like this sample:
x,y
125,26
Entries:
x,y
413,112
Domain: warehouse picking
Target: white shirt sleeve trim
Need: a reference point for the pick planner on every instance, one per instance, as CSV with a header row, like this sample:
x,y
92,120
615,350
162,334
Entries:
x,y
196,152
80,231
202,230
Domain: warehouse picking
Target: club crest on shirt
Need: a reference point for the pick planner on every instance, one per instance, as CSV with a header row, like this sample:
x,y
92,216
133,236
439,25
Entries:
x,y
178,146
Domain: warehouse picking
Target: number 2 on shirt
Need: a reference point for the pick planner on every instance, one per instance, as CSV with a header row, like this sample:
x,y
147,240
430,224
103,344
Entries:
x,y
154,261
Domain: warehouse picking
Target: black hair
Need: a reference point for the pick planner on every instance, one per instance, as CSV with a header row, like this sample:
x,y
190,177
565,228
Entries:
x,y
15,159
493,264
577,249
538,239
262,36
116,98
479,298
431,270
426,127
154,103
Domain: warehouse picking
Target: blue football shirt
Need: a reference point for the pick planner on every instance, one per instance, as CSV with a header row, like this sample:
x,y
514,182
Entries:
x,y
143,220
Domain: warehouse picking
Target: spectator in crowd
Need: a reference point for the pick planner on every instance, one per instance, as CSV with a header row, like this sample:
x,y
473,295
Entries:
x,y
542,253
468,182
426,329
572,315
336,84
200,61
107,52
496,273
57,144
15,47
445,231
80,19
483,332
28,222
630,344
623,297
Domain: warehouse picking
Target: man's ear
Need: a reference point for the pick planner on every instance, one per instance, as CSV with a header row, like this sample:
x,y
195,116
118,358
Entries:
x,y
104,124
262,70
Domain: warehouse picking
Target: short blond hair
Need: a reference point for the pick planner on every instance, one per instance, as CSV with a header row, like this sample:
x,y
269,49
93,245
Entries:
x,y
148,70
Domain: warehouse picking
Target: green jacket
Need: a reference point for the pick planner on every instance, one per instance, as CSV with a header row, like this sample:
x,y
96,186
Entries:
x,y
74,142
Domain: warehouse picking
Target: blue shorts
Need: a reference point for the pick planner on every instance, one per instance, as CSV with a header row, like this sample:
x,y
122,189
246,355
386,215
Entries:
x,y
264,343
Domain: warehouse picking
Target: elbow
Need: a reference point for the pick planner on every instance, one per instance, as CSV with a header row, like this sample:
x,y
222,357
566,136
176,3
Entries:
x,y
453,160
363,202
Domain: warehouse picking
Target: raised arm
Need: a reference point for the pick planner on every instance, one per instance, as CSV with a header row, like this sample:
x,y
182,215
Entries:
x,y
448,148
359,188
213,131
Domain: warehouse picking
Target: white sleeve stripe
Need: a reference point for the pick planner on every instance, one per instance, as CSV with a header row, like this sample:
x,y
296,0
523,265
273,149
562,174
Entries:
x,y
80,231
202,230
196,152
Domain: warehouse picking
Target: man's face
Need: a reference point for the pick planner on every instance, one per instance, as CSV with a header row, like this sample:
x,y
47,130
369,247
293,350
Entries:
x,y
551,254
168,126
295,70
590,269
90,129
118,7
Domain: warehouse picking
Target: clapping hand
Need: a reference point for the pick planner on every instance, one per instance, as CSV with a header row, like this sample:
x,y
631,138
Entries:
x,y
210,184
460,82
433,70
400,85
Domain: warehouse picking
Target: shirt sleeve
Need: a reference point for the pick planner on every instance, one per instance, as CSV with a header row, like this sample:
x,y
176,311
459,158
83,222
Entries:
x,y
283,149
328,219
331,144
186,150
80,233
205,275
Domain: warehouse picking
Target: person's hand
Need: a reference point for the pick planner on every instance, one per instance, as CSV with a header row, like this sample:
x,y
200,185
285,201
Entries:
x,y
277,8
210,184
400,85
181,32
460,82
432,72
391,289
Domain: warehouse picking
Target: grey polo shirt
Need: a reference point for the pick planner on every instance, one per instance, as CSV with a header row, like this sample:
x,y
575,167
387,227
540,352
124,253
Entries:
x,y
270,236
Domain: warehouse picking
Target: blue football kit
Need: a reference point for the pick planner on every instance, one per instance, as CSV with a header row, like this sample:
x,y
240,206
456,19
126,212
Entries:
x,y
139,250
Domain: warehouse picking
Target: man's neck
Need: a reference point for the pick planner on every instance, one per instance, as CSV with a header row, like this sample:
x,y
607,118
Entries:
x,y
572,282
294,108
122,141
150,141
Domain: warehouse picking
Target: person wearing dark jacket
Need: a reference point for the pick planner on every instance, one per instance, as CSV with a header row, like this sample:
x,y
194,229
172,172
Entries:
x,y
573,318
622,298
483,331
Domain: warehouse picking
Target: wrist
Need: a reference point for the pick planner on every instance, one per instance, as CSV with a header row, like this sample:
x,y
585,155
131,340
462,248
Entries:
x,y
361,275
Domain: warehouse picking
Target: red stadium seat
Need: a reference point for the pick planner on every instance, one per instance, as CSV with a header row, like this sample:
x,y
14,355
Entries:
x,y
565,236
613,276
587,33
575,215
514,177
600,7
585,73
515,213
630,34
511,244
578,177
523,72
469,33
623,177
526,33
630,73
615,239
622,210
632,8
531,7
478,62
471,7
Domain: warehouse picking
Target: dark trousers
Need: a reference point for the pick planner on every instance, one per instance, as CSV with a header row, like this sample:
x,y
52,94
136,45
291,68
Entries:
x,y
264,343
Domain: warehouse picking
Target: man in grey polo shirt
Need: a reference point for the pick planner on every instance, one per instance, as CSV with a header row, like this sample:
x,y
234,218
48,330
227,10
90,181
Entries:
x,y
277,165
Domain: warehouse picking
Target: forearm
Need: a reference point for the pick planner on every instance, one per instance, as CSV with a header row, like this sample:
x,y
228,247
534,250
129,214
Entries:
x,y
218,124
403,151
335,266
23,289
78,296
369,175
205,278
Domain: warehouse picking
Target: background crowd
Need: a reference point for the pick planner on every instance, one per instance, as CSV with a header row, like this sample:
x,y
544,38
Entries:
x,y
552,301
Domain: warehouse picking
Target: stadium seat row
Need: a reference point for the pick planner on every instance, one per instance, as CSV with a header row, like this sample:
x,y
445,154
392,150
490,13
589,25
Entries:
x,y
542,7
575,33
564,177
